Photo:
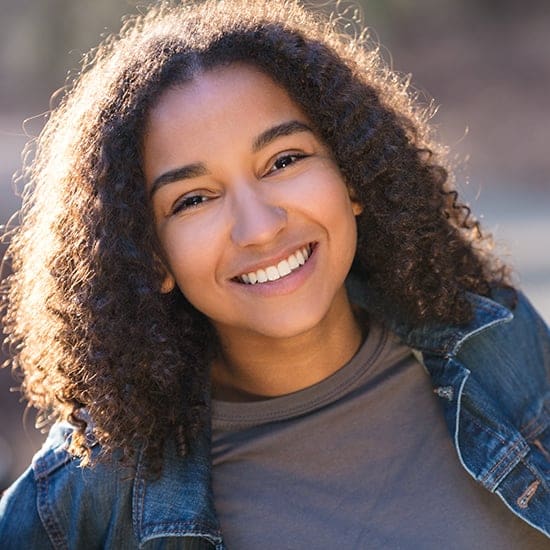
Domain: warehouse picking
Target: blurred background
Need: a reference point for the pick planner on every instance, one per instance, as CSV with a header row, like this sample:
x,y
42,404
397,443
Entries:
x,y
486,63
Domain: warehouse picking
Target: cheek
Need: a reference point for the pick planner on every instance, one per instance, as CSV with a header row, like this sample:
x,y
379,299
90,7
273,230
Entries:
x,y
190,248
333,206
339,213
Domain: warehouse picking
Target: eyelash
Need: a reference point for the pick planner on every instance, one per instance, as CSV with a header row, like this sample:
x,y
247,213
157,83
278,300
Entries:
x,y
293,157
186,203
193,201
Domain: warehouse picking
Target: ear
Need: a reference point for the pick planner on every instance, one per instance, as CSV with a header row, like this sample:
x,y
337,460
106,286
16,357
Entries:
x,y
356,208
168,283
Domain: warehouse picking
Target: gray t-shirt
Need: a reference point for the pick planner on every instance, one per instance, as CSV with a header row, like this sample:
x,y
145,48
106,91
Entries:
x,y
361,460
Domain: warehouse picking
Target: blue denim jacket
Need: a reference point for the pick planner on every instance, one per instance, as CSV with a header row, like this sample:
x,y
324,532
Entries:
x,y
492,378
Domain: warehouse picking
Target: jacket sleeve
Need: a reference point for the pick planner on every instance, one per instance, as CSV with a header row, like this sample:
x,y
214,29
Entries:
x,y
57,504
20,523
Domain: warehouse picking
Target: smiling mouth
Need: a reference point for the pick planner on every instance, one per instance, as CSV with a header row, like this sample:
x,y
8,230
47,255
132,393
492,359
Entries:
x,y
274,272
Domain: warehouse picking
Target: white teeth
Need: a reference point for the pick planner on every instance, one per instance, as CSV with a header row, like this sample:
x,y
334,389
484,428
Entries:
x,y
283,268
272,273
292,262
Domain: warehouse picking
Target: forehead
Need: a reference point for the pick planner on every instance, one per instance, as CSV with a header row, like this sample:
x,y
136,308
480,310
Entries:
x,y
223,92
220,112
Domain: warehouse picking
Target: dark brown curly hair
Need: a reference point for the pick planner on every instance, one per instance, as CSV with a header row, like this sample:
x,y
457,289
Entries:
x,y
85,320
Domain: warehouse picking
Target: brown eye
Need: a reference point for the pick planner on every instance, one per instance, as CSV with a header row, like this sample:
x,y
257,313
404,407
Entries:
x,y
285,160
188,202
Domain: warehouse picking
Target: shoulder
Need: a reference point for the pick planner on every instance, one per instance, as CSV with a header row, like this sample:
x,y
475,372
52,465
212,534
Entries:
x,y
57,501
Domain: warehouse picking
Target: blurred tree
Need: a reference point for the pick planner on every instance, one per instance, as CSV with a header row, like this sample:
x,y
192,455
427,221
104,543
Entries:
x,y
40,39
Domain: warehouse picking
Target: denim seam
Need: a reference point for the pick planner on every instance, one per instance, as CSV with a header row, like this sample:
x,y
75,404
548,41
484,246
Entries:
x,y
537,429
536,425
509,457
182,530
46,514
51,460
214,543
137,501
485,428
517,450
457,344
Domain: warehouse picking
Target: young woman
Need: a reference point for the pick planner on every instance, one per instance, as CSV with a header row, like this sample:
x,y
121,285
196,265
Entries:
x,y
246,291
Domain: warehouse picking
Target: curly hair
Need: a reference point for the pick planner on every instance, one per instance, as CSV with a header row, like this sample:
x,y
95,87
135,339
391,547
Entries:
x,y
85,319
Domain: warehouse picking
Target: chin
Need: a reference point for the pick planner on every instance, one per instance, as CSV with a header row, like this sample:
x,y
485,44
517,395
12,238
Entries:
x,y
288,326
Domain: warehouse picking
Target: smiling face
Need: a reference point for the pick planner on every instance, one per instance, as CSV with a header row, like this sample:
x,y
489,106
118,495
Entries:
x,y
251,211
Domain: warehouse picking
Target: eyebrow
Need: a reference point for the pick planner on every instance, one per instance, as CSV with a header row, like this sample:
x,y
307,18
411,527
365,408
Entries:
x,y
284,129
198,169
184,172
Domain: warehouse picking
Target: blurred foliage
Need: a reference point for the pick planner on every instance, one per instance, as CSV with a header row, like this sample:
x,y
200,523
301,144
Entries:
x,y
41,39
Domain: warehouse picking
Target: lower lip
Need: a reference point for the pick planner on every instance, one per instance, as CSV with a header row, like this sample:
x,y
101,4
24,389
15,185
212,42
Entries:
x,y
284,285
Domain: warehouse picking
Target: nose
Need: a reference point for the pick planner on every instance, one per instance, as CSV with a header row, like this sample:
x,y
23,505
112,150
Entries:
x,y
256,219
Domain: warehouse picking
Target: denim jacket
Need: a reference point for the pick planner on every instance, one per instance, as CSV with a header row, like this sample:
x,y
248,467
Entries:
x,y
492,378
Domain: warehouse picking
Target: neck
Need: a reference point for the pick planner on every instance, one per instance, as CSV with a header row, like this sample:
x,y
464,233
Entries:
x,y
252,366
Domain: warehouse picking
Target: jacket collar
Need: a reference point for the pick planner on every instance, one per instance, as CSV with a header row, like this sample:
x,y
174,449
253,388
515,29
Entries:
x,y
446,339
439,338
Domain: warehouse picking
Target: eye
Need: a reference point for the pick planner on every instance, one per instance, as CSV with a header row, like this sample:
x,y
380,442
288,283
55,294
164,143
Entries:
x,y
285,160
187,202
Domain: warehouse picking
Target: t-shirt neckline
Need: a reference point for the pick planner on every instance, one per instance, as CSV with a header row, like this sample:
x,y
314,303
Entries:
x,y
228,415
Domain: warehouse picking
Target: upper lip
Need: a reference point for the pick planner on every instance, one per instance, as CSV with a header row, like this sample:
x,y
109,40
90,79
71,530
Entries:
x,y
272,260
